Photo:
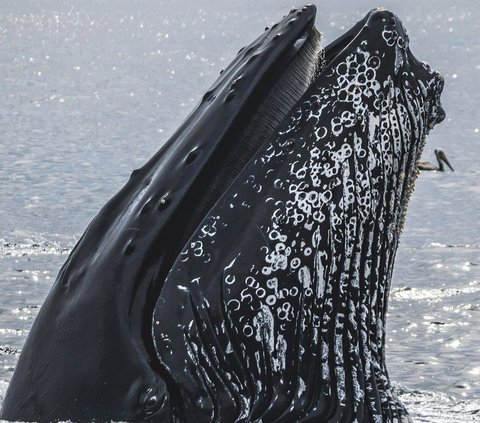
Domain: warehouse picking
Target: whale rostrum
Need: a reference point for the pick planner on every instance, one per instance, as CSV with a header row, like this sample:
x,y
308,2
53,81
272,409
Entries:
x,y
243,273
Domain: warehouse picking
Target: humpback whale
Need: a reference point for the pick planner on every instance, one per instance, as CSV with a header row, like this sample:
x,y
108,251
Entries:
x,y
242,274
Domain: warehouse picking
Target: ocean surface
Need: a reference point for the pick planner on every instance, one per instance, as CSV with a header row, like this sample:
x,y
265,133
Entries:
x,y
90,90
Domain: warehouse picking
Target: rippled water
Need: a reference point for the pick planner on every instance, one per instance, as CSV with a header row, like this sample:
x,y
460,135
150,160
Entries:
x,y
90,91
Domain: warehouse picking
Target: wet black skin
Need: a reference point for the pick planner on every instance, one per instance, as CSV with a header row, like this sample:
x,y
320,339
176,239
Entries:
x,y
90,352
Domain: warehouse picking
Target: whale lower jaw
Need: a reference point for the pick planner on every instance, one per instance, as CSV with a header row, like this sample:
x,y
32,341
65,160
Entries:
x,y
285,283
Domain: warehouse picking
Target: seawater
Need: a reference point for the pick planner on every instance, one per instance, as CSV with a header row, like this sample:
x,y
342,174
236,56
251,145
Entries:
x,y
91,90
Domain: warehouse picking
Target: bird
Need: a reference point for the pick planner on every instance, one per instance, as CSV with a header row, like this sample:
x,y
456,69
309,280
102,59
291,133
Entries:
x,y
441,158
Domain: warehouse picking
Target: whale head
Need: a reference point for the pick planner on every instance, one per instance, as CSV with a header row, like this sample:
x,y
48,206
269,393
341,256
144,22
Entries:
x,y
243,272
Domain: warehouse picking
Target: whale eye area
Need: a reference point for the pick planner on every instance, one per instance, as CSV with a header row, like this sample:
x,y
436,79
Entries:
x,y
152,402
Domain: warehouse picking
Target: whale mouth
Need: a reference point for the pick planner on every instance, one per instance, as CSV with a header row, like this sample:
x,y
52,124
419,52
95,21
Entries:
x,y
258,119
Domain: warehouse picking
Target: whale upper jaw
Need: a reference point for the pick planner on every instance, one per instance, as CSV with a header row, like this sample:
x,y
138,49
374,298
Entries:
x,y
90,352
